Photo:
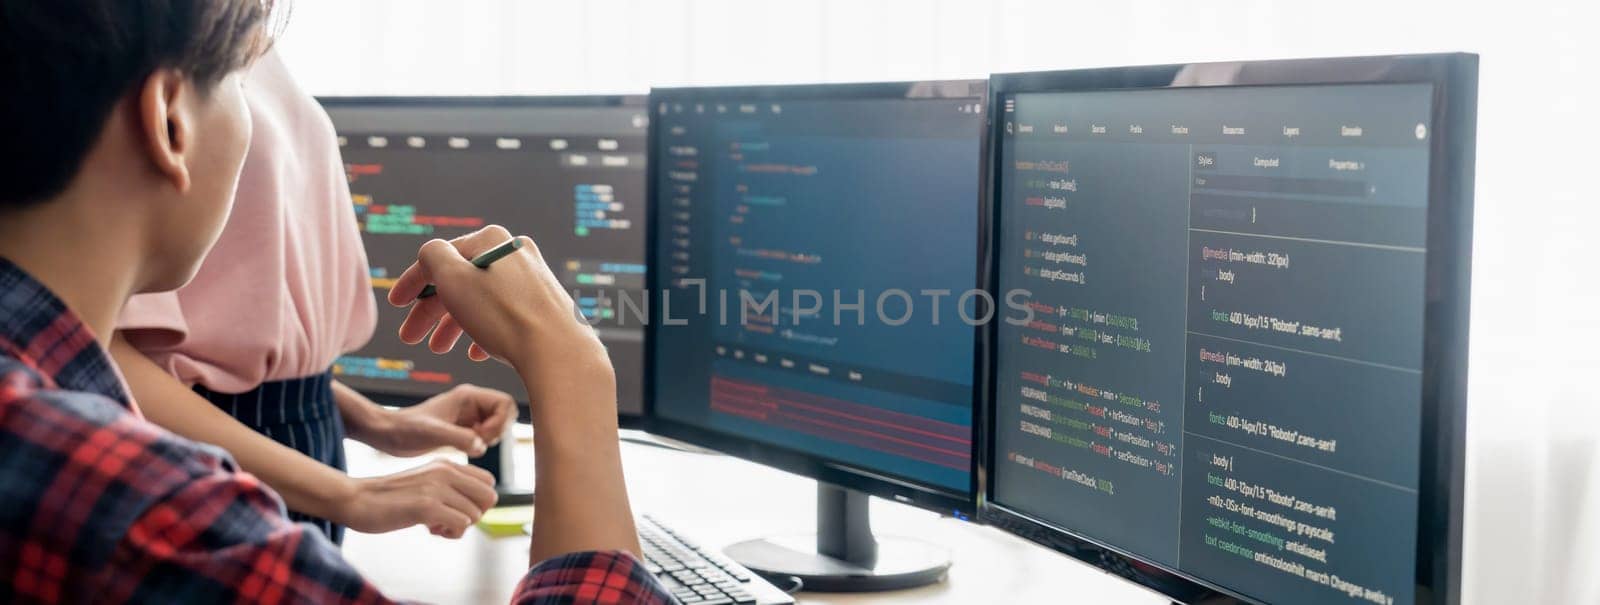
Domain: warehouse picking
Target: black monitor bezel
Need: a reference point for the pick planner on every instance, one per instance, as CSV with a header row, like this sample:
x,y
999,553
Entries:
x,y
942,500
1448,276
390,398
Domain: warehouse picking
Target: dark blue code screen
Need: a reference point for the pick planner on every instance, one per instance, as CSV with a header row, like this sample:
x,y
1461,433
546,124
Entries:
x,y
1222,368
818,253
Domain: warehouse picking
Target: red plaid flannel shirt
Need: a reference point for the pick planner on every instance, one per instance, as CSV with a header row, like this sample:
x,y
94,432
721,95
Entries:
x,y
99,505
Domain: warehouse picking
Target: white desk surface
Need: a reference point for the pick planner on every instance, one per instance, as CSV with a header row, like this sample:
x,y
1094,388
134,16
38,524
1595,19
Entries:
x,y
720,500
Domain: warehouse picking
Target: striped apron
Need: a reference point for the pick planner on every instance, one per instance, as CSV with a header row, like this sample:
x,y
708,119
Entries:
x,y
299,413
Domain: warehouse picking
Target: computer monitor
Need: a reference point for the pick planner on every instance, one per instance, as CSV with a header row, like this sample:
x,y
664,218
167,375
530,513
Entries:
x,y
567,171
814,250
1233,354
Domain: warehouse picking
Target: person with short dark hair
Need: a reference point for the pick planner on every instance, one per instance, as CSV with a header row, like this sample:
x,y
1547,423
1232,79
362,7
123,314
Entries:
x,y
240,357
126,131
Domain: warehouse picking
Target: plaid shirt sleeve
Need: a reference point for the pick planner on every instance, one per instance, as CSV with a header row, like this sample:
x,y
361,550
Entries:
x,y
100,505
591,577
219,536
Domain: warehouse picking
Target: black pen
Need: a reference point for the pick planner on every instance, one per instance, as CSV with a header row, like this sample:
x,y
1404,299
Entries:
x,y
481,261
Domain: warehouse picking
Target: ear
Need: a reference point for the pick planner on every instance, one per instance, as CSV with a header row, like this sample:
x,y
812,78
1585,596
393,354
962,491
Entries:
x,y
166,122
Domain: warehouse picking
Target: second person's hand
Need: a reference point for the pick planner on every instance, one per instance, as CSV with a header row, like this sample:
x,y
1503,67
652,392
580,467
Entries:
x,y
445,496
467,417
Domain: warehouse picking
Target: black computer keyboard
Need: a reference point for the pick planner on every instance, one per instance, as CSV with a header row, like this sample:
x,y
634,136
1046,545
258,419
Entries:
x,y
698,576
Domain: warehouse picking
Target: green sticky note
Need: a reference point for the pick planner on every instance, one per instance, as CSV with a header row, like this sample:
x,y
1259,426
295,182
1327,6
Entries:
x,y
505,521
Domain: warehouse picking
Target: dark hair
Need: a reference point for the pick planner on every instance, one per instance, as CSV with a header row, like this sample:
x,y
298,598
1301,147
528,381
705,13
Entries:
x,y
66,63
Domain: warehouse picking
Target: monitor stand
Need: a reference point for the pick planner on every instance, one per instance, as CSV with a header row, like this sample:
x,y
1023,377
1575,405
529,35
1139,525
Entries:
x,y
845,556
497,460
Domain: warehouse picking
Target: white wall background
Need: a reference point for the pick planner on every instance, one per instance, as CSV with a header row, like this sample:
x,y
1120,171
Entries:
x,y
1533,523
